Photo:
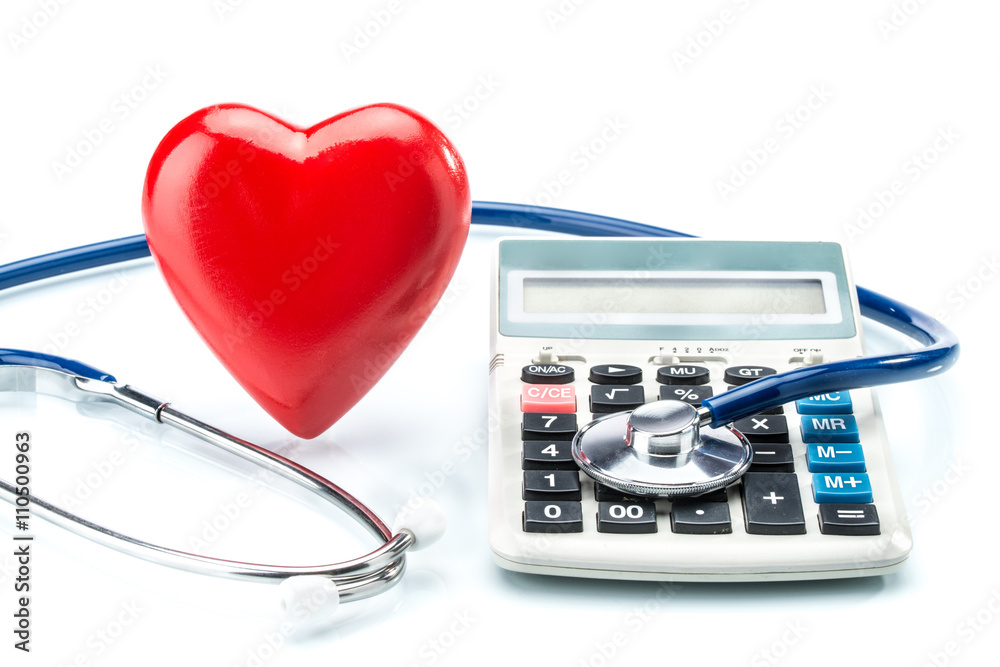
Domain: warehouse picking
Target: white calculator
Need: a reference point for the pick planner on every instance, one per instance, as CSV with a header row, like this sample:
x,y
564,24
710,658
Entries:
x,y
586,328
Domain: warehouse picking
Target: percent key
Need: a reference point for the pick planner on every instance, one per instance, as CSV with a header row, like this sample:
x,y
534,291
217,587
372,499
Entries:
x,y
691,395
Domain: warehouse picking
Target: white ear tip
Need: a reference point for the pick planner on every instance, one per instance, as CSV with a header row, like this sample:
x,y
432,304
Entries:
x,y
424,519
307,600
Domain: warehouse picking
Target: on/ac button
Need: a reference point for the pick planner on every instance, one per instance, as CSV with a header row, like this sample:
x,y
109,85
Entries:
x,y
547,374
548,398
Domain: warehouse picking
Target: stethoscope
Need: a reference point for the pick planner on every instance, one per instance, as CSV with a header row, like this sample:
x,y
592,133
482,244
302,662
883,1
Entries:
x,y
665,448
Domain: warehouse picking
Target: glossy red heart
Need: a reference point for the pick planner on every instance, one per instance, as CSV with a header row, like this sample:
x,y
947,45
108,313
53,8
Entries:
x,y
307,258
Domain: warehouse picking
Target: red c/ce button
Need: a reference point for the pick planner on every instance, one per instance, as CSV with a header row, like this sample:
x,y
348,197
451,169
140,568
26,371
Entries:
x,y
548,398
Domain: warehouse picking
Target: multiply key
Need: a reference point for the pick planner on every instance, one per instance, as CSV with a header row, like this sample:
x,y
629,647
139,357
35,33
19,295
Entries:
x,y
763,428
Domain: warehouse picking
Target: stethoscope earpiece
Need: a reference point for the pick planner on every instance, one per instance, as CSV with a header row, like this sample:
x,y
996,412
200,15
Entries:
x,y
424,520
308,600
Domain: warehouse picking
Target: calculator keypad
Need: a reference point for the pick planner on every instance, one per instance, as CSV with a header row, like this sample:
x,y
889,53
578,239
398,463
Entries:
x,y
768,495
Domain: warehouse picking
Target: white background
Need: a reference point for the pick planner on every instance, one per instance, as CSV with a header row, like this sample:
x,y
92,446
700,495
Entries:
x,y
687,93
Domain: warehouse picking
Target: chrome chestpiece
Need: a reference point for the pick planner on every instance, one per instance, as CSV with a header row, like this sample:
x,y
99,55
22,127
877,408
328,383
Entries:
x,y
661,449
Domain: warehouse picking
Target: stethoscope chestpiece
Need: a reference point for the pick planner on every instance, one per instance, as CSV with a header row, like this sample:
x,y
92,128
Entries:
x,y
661,449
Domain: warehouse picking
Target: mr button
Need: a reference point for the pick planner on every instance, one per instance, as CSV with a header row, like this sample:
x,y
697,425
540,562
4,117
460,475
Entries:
x,y
826,429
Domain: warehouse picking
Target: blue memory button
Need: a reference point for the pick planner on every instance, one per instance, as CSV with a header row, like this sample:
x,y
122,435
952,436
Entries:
x,y
829,428
842,488
835,403
845,457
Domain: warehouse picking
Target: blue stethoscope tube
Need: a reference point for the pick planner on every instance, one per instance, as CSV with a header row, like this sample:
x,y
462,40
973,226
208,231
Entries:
x,y
940,351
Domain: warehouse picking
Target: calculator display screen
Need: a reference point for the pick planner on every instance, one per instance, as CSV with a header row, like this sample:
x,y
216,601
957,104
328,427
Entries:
x,y
671,298
673,295
673,289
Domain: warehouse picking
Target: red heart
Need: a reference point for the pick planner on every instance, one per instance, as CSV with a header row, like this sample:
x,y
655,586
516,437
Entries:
x,y
306,258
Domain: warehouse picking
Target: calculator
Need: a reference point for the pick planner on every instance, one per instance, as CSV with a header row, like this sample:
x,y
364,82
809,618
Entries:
x,y
586,328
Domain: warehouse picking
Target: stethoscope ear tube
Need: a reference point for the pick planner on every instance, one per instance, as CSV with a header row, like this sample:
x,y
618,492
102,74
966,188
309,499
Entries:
x,y
355,579
940,354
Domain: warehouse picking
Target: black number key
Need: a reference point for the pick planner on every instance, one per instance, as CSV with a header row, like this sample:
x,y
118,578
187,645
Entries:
x,y
547,455
558,516
626,517
772,504
551,485
538,426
